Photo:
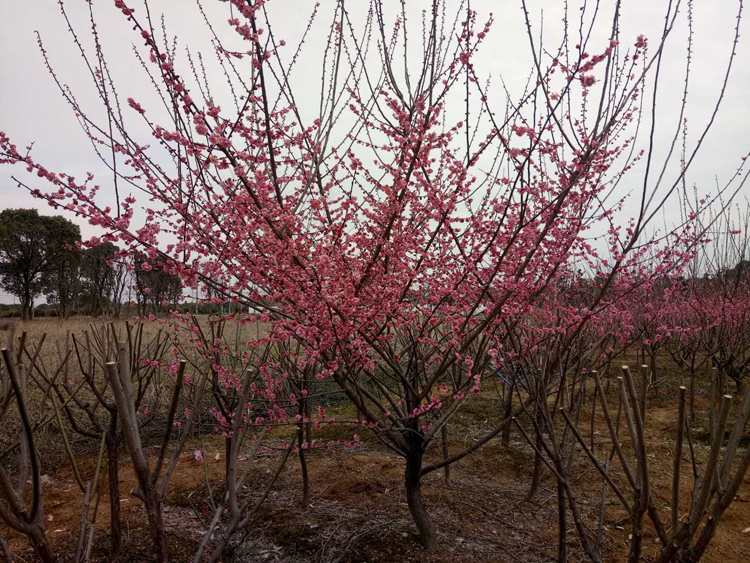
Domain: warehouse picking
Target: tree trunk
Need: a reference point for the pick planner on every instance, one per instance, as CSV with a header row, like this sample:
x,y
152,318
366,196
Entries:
x,y
308,424
41,545
24,455
227,455
303,466
508,410
536,478
692,396
156,525
446,452
562,524
115,525
413,481
636,539
26,310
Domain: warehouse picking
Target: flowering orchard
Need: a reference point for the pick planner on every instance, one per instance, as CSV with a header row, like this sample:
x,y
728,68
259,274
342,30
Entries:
x,y
414,238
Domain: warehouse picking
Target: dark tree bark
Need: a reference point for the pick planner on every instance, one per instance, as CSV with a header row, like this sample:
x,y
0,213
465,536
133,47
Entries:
x,y
562,524
41,545
413,482
115,525
446,453
303,463
536,478
508,409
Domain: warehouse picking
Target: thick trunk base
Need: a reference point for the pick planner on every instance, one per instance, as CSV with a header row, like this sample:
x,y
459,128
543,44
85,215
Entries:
x,y
418,511
156,527
41,545
115,526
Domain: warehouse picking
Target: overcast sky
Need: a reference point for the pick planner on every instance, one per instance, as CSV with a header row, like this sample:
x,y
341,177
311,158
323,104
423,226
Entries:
x,y
32,109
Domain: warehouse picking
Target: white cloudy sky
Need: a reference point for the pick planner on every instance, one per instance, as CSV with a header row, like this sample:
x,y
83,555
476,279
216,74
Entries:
x,y
32,110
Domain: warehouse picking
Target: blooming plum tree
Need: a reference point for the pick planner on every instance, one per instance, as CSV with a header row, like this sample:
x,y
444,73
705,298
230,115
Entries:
x,y
404,230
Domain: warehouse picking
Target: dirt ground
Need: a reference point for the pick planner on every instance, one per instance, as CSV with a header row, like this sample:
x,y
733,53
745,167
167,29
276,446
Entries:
x,y
358,509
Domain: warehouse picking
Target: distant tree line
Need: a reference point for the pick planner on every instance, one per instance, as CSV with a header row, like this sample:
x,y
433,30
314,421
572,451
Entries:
x,y
43,256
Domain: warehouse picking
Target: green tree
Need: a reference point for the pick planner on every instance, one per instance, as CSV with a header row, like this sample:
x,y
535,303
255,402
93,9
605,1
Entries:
x,y
99,276
30,246
153,286
62,283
